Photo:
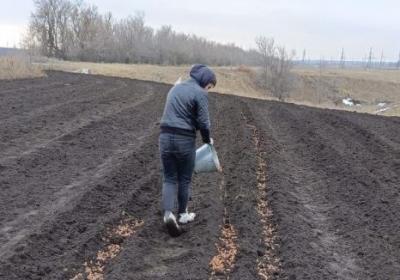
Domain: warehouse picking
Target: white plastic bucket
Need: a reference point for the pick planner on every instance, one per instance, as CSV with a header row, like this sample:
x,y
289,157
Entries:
x,y
206,160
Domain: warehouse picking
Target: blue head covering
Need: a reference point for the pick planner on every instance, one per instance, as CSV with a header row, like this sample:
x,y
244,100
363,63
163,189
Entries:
x,y
203,75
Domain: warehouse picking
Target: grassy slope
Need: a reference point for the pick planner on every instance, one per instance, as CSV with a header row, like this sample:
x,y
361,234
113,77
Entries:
x,y
370,87
230,80
313,88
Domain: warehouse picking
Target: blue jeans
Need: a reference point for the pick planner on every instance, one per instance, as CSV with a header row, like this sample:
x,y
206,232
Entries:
x,y
178,153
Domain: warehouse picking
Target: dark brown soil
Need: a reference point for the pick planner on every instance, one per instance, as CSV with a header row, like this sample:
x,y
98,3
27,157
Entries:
x,y
79,155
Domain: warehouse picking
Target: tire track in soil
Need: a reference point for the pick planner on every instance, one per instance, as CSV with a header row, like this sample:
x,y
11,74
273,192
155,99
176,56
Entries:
x,y
268,261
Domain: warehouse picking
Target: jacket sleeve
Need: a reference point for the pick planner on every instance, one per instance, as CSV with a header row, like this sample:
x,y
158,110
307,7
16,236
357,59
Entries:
x,y
203,117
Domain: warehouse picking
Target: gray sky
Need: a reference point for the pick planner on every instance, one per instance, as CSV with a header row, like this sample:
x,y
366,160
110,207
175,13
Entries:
x,y
320,27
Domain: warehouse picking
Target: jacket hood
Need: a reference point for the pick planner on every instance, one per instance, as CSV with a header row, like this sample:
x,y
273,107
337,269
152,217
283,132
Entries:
x,y
203,75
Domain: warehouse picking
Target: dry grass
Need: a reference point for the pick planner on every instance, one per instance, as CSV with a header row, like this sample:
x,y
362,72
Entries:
x,y
18,67
231,80
393,111
327,88
392,76
323,89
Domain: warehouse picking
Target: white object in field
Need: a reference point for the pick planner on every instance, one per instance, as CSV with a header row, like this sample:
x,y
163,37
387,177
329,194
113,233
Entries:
x,y
382,110
348,101
178,81
207,160
85,71
381,104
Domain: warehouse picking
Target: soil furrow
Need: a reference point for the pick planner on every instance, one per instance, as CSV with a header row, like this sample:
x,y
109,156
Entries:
x,y
223,262
239,170
114,237
268,261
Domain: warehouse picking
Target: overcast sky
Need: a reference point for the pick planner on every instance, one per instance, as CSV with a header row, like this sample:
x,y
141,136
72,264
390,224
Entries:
x,y
320,27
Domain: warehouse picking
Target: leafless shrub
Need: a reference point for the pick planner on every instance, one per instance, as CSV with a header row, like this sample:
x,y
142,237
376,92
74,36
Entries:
x,y
276,64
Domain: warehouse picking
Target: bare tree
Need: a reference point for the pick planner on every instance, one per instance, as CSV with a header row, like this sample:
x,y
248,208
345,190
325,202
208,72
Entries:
x,y
266,48
304,57
49,26
281,81
63,33
276,65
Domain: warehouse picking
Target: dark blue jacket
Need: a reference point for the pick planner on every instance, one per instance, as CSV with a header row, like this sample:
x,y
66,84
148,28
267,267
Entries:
x,y
186,108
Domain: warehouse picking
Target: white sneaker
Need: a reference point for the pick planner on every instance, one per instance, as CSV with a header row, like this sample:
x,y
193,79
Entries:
x,y
186,217
172,226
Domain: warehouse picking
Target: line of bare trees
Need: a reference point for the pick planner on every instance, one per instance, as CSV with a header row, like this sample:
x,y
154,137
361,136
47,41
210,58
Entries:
x,y
77,31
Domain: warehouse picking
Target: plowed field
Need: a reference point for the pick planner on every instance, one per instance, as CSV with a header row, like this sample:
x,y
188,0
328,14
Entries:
x,y
305,193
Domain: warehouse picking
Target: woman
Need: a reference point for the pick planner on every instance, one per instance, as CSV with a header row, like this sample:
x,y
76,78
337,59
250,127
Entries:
x,y
185,112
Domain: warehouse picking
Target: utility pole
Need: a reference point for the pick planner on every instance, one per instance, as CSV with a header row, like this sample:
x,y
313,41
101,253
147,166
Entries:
x,y
342,59
381,62
398,62
364,62
304,56
370,57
